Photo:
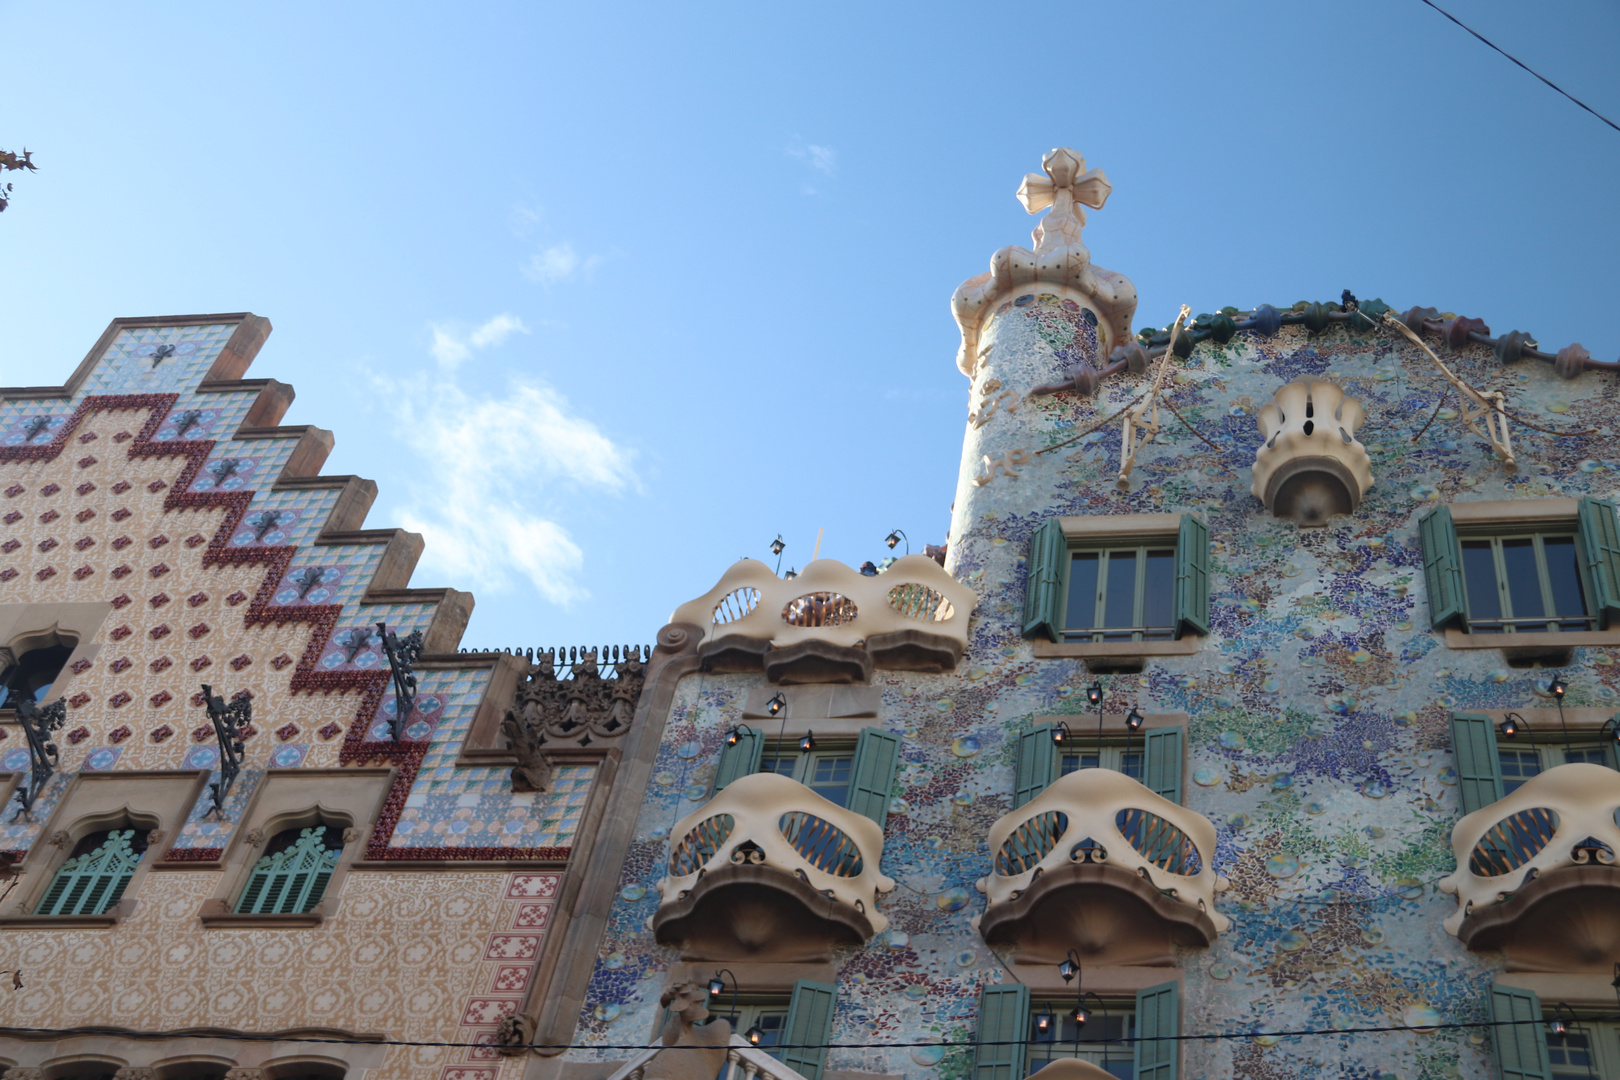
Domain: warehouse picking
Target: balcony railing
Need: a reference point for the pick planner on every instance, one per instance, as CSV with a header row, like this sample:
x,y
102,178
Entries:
x,y
743,1062
833,604
771,821
1098,827
1550,846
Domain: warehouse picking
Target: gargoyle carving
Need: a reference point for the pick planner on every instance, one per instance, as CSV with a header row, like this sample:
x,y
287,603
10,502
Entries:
x,y
687,1008
552,711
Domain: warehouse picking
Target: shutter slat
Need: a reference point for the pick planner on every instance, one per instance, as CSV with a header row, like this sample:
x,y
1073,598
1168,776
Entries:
x,y
1479,769
1442,567
1157,1019
1600,548
1036,767
1043,588
1521,1052
1162,766
1192,576
1003,1029
739,760
872,777
92,883
809,1027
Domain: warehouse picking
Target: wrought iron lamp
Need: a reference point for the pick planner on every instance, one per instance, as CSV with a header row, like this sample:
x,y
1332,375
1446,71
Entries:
x,y
777,547
1558,1027
1094,694
737,734
776,705
402,656
894,537
1060,732
808,743
755,1035
39,723
717,986
1133,723
228,721
1044,1022
1557,688
1070,967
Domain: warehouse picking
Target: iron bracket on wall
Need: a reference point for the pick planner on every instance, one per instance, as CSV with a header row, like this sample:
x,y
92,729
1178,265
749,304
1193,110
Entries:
x,y
38,723
402,655
229,720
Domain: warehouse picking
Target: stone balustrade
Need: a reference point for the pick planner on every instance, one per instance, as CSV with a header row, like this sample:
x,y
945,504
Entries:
x,y
743,1062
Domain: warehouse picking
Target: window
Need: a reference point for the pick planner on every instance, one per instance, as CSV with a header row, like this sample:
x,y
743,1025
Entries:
x,y
1102,1040
95,874
1489,765
1010,1047
1587,1048
1520,763
770,1015
800,1022
1524,579
32,674
294,872
1153,758
1524,583
858,776
1125,590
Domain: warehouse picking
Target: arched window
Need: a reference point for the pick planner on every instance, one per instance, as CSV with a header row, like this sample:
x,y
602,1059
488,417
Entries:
x,y
292,876
32,673
96,874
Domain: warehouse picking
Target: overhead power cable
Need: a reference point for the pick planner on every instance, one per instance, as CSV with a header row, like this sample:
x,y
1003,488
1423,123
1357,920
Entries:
x,y
195,1033
1522,64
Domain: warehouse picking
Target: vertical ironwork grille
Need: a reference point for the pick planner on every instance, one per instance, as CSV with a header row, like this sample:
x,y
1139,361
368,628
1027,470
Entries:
x,y
1159,842
821,843
1513,841
1030,843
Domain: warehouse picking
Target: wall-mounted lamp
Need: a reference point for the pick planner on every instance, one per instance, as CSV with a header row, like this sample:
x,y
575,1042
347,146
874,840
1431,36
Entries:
x,y
1060,732
777,547
1070,967
1133,723
1558,1027
895,537
1044,1022
755,1035
1094,692
808,743
1557,688
776,705
717,986
1510,725
736,734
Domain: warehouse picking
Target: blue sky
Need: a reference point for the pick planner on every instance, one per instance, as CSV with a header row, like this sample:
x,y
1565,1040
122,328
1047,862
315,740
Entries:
x,y
605,297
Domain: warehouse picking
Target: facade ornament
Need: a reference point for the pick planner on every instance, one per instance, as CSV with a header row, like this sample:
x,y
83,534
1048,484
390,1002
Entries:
x,y
61,839
155,837
254,837
242,1072
571,711
687,1011
1311,467
527,740
23,1072
39,724
513,1035
1059,258
133,1072
351,834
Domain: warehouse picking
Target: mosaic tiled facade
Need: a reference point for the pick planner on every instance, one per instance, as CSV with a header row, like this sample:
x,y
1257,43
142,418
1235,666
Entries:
x,y
154,492
1318,708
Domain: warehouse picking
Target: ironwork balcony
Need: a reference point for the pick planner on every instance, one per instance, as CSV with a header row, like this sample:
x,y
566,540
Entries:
x,y
769,870
1311,467
1536,875
831,623
1100,863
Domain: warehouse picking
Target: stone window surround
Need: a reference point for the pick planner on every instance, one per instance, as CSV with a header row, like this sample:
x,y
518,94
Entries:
x,y
1101,530
155,800
1498,514
346,798
258,1059
28,626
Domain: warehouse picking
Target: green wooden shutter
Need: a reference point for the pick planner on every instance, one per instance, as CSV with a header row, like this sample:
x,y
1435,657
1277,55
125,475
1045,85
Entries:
x,y
1157,1019
872,777
1192,577
1442,567
1036,767
809,1028
1611,752
1600,544
739,760
1003,1032
91,883
1479,770
291,881
1521,1052
1161,766
1043,591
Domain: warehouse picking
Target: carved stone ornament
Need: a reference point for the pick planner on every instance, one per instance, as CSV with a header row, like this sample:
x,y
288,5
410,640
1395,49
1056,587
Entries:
x,y
1311,467
60,839
156,837
1059,258
242,1072
133,1072
687,1009
23,1072
351,834
575,711
513,1035
254,837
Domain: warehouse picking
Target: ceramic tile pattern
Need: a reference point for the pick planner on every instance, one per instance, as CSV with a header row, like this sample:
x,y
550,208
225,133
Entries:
x,y
440,955
1319,707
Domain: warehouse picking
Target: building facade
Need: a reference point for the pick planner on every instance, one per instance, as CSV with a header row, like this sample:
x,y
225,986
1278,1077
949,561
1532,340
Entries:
x,y
1255,720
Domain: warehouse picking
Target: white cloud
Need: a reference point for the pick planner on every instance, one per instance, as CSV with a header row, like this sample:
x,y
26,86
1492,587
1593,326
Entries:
x,y
489,464
452,349
554,264
823,159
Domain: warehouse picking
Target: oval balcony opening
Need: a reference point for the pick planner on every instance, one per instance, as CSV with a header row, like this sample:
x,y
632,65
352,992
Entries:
x,y
917,601
735,605
1159,842
824,845
820,609
1513,841
1030,843
700,845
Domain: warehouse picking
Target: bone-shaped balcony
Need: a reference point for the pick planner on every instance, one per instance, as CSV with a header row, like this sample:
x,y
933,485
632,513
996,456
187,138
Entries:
x,y
1311,467
832,623
1100,863
769,870
1536,875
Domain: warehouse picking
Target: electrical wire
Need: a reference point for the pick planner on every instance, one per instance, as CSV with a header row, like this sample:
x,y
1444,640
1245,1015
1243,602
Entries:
x,y
196,1033
1522,64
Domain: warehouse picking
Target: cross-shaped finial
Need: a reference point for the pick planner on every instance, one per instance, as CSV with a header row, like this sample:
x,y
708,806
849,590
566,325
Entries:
x,y
1067,182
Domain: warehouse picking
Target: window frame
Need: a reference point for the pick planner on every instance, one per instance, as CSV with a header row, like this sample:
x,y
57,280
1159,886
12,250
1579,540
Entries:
x,y
1118,1051
804,762
1100,633
1537,533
